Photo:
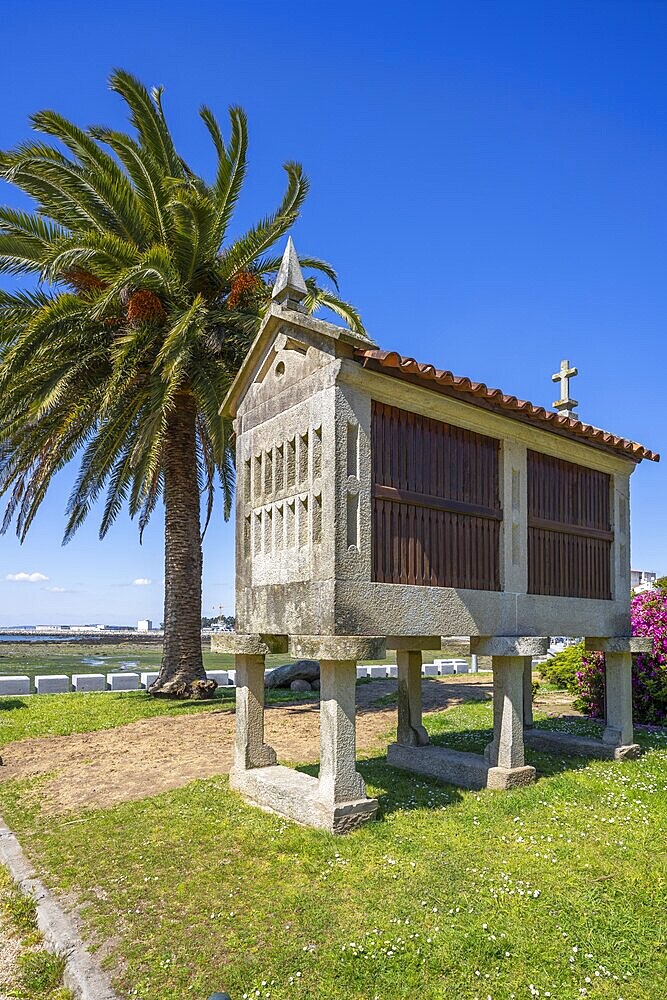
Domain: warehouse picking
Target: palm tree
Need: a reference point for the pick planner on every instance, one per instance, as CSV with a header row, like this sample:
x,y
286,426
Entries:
x,y
121,348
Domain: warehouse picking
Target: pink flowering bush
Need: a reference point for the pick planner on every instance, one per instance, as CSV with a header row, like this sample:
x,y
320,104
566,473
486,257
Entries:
x,y
649,670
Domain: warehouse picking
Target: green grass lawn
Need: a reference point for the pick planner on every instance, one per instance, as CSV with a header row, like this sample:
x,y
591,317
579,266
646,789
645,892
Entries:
x,y
557,890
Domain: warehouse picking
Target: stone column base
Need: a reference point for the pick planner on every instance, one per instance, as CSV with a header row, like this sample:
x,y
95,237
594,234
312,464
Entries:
x,y
296,796
503,778
550,741
629,752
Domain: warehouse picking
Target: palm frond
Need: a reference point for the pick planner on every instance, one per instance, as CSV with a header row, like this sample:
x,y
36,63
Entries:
x,y
143,306
147,118
318,298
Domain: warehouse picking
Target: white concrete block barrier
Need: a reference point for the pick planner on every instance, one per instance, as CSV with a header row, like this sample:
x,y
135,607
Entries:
x,y
377,671
452,666
52,684
220,676
19,684
148,676
14,684
89,682
123,682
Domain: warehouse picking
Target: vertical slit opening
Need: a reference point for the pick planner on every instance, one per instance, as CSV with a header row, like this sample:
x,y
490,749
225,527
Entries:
x,y
291,463
353,449
353,520
317,518
317,452
303,457
246,481
303,522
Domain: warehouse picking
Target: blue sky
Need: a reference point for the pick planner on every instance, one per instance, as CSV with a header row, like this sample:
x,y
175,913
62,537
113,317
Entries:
x,y
490,180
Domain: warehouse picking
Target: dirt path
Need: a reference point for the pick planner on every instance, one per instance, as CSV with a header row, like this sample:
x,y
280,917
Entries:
x,y
144,758
100,769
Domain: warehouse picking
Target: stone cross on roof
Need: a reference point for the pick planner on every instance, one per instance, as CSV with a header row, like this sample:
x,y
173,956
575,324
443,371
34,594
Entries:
x,y
565,404
290,288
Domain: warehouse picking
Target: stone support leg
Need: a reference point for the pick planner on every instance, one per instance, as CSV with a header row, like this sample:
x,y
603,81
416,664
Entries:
x,y
618,699
339,780
528,692
410,729
505,753
250,750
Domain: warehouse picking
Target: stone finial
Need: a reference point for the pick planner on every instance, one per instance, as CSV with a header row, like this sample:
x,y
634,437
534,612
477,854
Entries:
x,y
565,404
290,288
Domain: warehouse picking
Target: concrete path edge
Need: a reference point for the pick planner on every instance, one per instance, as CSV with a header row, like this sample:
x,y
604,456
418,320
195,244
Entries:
x,y
82,974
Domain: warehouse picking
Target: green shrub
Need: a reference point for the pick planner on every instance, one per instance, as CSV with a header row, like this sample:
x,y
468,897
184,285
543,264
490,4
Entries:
x,y
41,971
21,911
561,669
649,670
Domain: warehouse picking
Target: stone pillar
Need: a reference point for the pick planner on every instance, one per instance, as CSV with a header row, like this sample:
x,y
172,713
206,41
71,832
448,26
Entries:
x,y
514,501
250,750
505,753
618,699
339,780
528,692
411,732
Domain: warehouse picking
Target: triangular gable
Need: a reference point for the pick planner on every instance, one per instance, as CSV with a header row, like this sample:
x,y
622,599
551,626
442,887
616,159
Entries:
x,y
295,328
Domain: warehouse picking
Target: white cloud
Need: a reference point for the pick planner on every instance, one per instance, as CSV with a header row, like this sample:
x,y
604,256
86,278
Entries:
x,y
57,590
141,581
26,577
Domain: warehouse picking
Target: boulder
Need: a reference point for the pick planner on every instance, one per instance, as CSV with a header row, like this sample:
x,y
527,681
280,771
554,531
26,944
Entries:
x,y
299,685
301,670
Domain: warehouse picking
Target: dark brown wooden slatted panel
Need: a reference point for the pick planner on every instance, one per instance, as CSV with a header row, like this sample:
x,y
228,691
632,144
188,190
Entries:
x,y
569,529
436,514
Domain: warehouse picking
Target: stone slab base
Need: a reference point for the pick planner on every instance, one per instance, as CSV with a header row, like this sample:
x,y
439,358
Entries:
x,y
468,770
296,796
577,746
504,778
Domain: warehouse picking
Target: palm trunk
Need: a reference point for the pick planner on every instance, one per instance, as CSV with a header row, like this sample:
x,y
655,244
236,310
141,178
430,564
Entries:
x,y
182,673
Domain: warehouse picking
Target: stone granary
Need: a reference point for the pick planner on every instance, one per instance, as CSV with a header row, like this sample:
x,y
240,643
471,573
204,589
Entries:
x,y
383,505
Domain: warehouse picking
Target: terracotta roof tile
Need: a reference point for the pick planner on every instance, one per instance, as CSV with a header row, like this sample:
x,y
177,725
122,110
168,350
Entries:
x,y
395,364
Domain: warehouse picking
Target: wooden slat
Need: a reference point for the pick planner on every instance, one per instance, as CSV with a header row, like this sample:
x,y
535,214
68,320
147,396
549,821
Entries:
x,y
570,538
436,502
570,529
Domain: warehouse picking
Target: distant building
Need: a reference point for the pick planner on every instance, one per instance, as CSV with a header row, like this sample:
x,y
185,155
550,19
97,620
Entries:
x,y
82,629
145,625
642,579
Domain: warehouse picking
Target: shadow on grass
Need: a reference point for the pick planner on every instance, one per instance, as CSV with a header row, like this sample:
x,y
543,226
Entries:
x,y
7,704
402,790
398,790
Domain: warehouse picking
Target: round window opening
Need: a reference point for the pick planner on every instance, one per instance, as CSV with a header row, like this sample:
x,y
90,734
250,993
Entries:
x,y
280,369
